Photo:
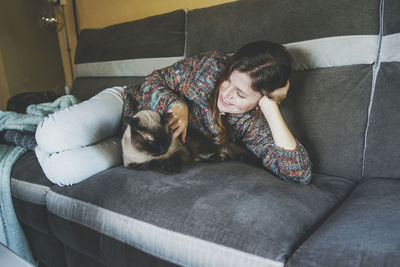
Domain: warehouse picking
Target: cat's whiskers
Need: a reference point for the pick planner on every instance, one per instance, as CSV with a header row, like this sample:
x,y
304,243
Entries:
x,y
145,165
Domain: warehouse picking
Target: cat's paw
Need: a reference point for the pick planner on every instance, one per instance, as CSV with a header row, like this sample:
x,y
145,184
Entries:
x,y
136,166
244,156
217,157
214,158
169,167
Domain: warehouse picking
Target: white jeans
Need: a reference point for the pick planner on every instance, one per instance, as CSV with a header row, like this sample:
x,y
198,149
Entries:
x,y
79,141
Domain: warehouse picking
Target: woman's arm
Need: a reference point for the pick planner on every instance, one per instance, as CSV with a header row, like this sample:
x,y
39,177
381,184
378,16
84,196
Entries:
x,y
269,138
179,83
286,145
291,165
281,134
171,89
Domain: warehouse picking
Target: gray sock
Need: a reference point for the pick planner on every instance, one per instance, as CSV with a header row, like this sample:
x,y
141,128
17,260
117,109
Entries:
x,y
18,138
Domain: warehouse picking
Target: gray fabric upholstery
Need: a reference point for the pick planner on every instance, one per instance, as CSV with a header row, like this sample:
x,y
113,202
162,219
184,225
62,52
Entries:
x,y
364,231
33,215
157,36
230,204
76,259
85,88
45,247
29,187
382,154
226,27
92,248
391,22
383,144
28,169
327,110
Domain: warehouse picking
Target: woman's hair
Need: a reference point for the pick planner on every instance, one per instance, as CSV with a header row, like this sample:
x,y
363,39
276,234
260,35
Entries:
x,y
269,66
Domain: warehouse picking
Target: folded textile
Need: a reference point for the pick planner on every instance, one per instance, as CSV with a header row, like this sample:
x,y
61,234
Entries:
x,y
11,234
45,109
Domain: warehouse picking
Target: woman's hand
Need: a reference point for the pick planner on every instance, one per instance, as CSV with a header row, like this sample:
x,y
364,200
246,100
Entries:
x,y
269,107
179,120
279,94
269,103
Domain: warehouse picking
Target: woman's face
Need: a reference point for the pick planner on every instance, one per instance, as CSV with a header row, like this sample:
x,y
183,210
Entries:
x,y
236,94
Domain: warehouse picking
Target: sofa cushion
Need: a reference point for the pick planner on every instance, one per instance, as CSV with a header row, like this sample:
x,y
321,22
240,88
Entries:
x,y
152,37
27,169
382,153
226,214
327,110
383,144
86,87
227,27
124,53
364,231
135,48
391,18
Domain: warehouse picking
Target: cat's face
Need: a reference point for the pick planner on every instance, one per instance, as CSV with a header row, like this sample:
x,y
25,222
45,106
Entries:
x,y
150,133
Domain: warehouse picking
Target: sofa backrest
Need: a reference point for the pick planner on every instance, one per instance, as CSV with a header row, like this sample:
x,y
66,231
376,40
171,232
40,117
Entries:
x,y
334,45
123,54
228,26
382,154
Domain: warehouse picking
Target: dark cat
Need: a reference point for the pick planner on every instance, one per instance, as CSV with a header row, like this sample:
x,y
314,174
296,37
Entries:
x,y
147,141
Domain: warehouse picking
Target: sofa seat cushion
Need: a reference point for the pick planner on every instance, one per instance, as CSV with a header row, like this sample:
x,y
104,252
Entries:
x,y
29,187
365,230
225,214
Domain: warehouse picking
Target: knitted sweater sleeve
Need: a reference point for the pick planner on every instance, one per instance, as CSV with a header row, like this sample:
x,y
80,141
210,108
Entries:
x,y
293,166
166,87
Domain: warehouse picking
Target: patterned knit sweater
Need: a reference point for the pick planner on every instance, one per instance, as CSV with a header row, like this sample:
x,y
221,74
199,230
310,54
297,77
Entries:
x,y
192,81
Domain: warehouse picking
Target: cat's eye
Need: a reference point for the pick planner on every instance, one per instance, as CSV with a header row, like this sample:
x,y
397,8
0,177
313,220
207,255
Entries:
x,y
146,136
150,143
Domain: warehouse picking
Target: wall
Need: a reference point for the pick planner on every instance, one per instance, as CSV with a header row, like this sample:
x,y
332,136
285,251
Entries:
x,y
102,13
4,94
30,55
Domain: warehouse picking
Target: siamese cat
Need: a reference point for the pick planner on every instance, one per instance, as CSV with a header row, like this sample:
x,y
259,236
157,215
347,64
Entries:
x,y
147,143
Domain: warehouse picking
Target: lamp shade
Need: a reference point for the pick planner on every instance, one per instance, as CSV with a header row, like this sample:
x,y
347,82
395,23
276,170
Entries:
x,y
51,18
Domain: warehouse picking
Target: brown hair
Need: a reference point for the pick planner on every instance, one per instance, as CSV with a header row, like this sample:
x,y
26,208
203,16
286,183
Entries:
x,y
269,66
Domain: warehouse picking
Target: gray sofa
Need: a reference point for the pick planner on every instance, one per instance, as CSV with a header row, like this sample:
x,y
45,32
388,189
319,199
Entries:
x,y
343,106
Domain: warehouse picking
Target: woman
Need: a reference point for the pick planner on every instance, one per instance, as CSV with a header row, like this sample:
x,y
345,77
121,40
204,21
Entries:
x,y
226,98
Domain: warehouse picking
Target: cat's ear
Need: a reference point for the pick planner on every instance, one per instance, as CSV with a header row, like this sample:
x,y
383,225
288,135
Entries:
x,y
165,117
130,100
133,122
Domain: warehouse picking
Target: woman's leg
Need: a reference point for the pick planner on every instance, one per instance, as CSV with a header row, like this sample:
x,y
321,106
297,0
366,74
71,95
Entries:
x,y
75,165
83,124
77,142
